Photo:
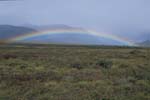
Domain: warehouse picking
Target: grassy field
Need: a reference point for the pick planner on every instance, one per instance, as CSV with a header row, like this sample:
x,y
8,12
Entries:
x,y
53,72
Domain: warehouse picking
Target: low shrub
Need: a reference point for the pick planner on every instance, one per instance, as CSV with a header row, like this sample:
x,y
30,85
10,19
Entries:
x,y
104,64
76,65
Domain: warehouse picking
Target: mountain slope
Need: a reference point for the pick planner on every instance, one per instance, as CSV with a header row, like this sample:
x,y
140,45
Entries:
x,y
8,31
49,27
72,38
145,43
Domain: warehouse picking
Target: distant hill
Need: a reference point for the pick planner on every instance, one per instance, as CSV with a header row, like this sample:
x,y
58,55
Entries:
x,y
143,36
145,43
7,31
48,27
73,38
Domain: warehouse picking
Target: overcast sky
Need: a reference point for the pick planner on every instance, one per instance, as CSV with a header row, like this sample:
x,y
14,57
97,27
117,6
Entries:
x,y
128,18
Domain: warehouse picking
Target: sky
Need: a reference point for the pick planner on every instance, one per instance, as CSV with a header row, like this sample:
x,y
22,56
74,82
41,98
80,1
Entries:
x,y
126,18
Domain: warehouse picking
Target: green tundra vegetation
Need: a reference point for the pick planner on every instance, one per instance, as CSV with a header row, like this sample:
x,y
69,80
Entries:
x,y
63,72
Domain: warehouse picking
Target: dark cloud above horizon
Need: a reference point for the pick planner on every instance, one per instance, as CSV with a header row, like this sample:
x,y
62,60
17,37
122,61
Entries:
x,y
128,18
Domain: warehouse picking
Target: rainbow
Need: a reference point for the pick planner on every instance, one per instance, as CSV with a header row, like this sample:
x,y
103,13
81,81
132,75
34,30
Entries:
x,y
69,31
